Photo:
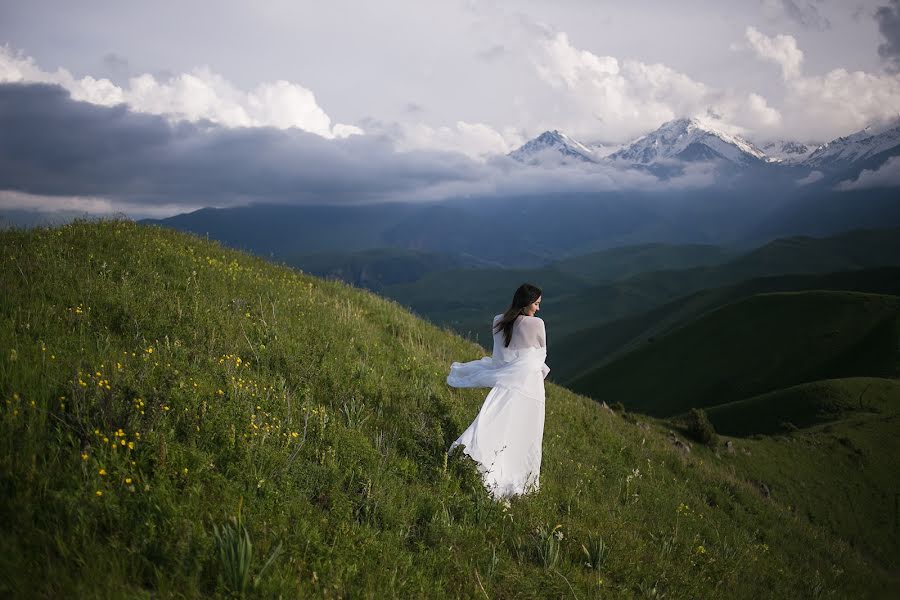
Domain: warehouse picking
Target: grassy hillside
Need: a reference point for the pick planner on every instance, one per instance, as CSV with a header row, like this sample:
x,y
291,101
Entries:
x,y
753,346
840,473
161,393
592,347
805,405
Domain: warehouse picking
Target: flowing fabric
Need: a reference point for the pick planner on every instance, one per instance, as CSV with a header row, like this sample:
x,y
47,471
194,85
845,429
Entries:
x,y
506,436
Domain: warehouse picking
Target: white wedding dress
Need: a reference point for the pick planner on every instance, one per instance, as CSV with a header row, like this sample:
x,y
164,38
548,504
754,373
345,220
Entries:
x,y
506,436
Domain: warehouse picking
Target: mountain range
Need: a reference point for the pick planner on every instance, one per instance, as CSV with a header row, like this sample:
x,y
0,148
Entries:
x,y
753,193
694,139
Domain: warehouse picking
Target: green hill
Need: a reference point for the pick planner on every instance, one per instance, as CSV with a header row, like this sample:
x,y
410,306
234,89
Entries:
x,y
592,347
626,261
377,268
863,249
841,472
602,287
806,405
753,346
156,386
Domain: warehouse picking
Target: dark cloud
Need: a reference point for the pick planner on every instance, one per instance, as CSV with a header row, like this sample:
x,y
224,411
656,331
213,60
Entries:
x,y
806,14
888,18
53,145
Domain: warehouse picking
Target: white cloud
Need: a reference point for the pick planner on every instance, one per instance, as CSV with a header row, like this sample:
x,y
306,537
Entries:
x,y
617,100
90,205
813,177
830,105
888,175
198,95
745,113
475,140
502,176
781,49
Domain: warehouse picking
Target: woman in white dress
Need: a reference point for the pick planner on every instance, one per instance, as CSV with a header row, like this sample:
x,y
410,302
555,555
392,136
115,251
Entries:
x,y
505,438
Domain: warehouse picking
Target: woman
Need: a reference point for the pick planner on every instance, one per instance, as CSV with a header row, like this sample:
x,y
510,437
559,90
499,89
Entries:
x,y
505,438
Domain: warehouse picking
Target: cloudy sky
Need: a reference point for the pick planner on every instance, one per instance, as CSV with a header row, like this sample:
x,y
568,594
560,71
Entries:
x,y
292,95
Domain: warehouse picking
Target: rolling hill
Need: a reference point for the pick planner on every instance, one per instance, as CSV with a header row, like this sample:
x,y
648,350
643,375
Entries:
x,y
753,346
169,403
844,451
861,249
805,405
593,347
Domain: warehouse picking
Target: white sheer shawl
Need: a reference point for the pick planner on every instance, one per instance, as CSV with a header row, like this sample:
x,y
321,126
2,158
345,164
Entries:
x,y
520,365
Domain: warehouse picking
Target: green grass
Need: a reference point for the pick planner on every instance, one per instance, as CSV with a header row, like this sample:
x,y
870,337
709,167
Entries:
x,y
841,475
167,405
806,405
753,346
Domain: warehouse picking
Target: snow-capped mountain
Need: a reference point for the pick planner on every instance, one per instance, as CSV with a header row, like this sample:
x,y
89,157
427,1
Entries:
x,y
697,140
553,145
788,151
689,140
856,147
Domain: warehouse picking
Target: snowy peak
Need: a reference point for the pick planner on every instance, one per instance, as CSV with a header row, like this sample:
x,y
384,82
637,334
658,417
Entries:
x,y
788,151
552,146
689,140
855,147
698,139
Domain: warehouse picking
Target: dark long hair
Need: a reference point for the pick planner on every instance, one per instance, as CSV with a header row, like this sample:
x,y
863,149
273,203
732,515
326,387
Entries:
x,y
525,295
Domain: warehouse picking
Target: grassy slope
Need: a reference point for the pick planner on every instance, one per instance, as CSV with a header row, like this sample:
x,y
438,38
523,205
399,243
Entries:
x,y
593,347
753,346
806,405
116,334
840,474
844,450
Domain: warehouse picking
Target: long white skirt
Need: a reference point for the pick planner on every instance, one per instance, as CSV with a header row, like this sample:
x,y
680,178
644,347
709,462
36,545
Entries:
x,y
505,441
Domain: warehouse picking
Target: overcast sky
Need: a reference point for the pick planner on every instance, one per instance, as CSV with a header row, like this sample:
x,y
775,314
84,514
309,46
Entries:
x,y
477,78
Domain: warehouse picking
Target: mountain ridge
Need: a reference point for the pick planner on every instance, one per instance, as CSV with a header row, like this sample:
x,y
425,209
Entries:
x,y
691,139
